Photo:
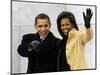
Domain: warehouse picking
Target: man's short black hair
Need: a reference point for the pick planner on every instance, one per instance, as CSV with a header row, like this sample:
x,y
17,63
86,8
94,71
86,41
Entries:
x,y
70,16
42,16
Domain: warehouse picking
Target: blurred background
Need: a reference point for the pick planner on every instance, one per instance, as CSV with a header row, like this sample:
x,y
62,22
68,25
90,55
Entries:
x,y
23,15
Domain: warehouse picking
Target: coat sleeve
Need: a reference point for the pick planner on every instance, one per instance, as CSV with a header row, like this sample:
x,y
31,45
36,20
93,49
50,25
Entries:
x,y
87,35
23,47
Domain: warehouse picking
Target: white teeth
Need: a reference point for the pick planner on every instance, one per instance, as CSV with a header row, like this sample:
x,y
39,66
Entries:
x,y
43,33
65,31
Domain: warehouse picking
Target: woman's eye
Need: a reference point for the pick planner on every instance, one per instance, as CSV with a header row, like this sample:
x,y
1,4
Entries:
x,y
62,25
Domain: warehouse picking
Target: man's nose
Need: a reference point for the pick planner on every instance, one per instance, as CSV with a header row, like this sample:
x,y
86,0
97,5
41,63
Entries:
x,y
43,28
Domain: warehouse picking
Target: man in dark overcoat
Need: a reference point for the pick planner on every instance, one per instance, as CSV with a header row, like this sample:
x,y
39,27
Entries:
x,y
40,48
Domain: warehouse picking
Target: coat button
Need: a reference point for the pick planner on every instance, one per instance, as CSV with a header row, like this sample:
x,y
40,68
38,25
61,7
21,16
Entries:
x,y
67,48
68,56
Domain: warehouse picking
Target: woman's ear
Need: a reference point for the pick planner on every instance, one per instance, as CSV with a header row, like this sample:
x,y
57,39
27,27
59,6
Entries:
x,y
73,26
35,26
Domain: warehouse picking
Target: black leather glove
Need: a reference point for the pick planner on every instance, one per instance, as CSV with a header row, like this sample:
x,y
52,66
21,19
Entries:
x,y
87,17
34,45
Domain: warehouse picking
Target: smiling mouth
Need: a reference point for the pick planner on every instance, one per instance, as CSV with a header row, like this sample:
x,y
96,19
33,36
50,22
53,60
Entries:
x,y
44,34
65,31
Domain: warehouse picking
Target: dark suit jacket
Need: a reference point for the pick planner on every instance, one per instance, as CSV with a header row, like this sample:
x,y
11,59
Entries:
x,y
43,61
62,60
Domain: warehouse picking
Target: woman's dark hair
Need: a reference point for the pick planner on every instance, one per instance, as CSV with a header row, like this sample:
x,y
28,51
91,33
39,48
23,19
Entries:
x,y
42,16
68,15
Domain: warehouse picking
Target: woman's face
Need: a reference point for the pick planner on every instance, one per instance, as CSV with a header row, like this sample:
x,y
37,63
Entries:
x,y
66,25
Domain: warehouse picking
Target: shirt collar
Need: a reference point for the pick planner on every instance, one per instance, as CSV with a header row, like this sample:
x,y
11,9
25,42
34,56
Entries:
x,y
42,38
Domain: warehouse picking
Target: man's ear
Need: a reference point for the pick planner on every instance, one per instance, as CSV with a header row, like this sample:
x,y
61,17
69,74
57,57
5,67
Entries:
x,y
50,25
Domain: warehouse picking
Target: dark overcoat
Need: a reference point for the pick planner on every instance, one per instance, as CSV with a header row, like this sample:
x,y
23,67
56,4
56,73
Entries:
x,y
43,61
62,60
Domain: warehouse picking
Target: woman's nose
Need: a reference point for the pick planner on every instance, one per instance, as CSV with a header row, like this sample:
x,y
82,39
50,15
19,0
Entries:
x,y
65,27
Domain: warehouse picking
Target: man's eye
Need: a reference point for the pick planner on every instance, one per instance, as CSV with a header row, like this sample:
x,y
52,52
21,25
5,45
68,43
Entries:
x,y
39,26
45,25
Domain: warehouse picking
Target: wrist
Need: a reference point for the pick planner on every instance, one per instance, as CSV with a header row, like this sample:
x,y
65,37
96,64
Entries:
x,y
87,25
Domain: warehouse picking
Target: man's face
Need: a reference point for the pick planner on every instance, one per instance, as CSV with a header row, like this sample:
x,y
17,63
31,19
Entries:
x,y
66,26
43,27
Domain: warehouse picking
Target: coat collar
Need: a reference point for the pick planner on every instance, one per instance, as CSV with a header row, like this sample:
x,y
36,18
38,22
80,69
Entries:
x,y
48,36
